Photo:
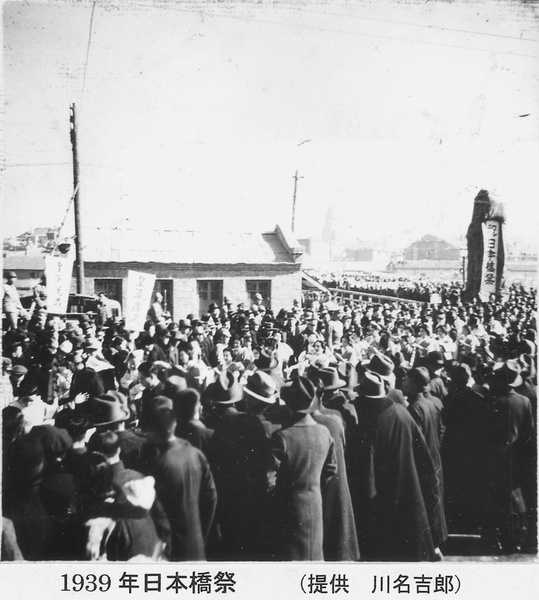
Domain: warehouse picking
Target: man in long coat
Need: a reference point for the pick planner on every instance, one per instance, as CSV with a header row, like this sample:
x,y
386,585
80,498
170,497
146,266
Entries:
x,y
510,464
240,457
464,450
427,413
392,479
304,452
184,485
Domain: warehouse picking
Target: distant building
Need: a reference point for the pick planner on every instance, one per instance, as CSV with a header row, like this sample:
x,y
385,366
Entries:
x,y
430,247
42,237
196,268
29,269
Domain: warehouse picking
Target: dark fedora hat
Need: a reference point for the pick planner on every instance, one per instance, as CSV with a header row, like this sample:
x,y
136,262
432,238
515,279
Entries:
x,y
380,364
108,408
420,376
299,395
371,386
526,363
507,372
176,335
262,386
329,378
225,390
266,361
435,360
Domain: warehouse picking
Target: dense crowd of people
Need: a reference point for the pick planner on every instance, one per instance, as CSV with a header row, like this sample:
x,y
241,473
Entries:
x,y
338,432
420,289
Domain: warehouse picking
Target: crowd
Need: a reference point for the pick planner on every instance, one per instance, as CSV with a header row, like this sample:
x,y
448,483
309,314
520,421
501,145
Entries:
x,y
419,289
361,431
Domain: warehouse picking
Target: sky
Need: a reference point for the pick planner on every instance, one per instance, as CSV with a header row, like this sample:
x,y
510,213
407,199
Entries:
x,y
196,115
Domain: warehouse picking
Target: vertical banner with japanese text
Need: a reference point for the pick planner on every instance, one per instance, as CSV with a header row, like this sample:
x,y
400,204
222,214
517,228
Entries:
x,y
139,295
491,235
58,271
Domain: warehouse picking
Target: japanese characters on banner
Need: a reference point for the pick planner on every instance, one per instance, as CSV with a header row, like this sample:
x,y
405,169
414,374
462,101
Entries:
x,y
491,235
58,271
139,295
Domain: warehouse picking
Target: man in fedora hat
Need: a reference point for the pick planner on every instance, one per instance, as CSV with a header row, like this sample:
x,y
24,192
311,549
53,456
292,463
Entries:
x,y
240,458
340,536
304,453
220,399
464,449
261,398
428,415
512,460
384,366
392,479
111,412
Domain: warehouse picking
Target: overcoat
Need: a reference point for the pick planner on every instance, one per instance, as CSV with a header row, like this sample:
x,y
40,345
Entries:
x,y
186,490
340,537
427,413
305,457
240,457
393,483
464,451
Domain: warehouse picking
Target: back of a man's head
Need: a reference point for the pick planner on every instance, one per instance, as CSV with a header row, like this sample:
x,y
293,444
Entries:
x,y
162,422
186,404
105,442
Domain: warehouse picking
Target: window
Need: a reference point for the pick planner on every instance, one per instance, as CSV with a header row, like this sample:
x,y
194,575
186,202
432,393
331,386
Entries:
x,y
111,287
259,286
209,291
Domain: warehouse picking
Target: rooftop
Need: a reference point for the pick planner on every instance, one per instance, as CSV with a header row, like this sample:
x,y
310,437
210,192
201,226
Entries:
x,y
188,247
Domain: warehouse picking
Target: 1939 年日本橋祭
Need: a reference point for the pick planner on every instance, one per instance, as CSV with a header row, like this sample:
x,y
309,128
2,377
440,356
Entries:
x,y
269,281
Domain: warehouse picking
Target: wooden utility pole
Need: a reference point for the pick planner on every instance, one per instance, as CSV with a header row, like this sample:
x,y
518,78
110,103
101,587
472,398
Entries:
x,y
295,178
78,236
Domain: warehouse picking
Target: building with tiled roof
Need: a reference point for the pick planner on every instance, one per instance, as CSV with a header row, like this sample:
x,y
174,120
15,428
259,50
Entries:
x,y
195,268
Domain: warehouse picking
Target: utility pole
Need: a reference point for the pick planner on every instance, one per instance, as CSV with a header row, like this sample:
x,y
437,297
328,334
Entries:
x,y
78,236
295,178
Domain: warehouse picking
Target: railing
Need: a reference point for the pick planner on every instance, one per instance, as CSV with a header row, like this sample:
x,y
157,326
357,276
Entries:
x,y
340,294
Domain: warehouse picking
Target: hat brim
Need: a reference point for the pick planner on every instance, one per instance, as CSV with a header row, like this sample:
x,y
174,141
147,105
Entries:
x,y
336,386
518,381
384,377
120,420
224,402
270,400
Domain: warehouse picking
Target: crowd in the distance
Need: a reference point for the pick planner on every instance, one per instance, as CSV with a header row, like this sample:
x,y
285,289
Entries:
x,y
420,288
362,431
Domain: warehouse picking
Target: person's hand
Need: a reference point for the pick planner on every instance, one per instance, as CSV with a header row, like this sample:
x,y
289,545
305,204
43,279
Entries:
x,y
82,397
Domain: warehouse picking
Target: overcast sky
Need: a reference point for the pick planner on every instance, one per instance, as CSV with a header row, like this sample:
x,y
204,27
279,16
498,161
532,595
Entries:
x,y
197,115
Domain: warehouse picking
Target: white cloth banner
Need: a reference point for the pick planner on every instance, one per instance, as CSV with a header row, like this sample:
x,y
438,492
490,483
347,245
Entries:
x,y
58,271
139,295
489,271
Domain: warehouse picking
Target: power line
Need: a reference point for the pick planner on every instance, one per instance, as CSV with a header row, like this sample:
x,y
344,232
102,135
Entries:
x,y
431,27
197,9
36,164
